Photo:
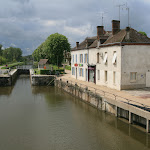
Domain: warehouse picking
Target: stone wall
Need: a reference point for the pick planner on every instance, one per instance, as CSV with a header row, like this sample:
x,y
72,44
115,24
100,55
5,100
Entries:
x,y
41,80
118,108
9,80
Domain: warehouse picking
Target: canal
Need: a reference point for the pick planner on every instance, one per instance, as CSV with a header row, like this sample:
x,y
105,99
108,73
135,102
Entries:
x,y
47,118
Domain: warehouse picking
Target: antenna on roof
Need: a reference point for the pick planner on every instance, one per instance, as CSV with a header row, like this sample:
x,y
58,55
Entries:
x,y
101,15
128,9
119,9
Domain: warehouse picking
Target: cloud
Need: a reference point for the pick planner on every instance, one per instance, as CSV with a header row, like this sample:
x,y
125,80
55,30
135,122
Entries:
x,y
27,23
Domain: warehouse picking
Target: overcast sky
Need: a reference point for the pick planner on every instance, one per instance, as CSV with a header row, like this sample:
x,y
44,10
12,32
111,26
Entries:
x,y
27,23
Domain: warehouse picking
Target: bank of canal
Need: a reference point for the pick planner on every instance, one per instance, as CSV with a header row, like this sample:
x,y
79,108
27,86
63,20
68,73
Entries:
x,y
47,118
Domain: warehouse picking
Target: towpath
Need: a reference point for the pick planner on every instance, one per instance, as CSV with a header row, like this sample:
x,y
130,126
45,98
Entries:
x,y
139,97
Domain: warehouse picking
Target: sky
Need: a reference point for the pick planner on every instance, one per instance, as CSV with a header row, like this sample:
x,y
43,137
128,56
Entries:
x,y
27,23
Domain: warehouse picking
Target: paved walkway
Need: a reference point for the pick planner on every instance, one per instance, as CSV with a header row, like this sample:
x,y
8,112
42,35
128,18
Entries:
x,y
139,97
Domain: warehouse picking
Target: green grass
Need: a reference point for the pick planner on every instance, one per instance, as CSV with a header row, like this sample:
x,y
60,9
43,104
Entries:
x,y
13,65
68,67
37,71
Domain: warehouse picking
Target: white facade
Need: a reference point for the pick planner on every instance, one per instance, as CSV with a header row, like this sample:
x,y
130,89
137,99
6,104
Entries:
x,y
118,67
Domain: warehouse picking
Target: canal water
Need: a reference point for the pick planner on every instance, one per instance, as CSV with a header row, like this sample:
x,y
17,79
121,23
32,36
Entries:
x,y
47,118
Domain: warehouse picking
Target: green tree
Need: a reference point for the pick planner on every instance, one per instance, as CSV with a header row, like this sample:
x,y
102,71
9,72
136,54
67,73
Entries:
x,y
143,33
52,49
12,54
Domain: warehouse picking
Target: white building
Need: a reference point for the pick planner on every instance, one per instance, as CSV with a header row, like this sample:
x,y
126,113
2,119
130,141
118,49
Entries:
x,y
119,59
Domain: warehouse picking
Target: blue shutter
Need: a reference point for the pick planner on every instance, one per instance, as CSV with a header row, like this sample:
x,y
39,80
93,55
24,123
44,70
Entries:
x,y
87,58
80,58
73,58
76,58
84,58
82,72
79,72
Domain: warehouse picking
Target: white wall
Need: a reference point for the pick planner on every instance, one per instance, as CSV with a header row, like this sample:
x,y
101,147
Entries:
x,y
85,66
110,68
135,58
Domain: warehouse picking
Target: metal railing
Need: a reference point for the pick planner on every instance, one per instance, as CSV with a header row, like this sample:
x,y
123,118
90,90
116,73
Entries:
x,y
110,95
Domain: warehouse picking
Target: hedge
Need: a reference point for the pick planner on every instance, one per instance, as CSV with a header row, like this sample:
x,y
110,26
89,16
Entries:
x,y
49,72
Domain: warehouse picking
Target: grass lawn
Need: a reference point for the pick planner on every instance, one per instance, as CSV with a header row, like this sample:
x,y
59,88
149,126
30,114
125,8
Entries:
x,y
13,65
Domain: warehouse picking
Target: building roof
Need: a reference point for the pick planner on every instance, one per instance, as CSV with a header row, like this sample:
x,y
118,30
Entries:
x,y
92,41
43,61
128,35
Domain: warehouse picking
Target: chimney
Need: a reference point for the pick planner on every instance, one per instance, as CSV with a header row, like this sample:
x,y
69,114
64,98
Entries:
x,y
115,26
77,45
100,31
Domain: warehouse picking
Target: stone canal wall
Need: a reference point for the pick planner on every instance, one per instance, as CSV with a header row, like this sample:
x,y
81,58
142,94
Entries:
x,y
41,80
121,109
9,79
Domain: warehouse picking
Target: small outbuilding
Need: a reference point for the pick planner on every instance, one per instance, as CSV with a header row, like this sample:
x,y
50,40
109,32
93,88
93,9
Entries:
x,y
43,64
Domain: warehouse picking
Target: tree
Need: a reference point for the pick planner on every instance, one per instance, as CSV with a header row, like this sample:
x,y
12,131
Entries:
x,y
143,33
12,54
52,48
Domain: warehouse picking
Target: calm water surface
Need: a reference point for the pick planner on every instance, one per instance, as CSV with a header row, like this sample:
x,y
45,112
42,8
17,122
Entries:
x,y
46,118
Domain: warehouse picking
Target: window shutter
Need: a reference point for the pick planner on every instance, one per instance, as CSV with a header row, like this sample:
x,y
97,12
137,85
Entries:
x,y
87,58
79,72
80,58
82,72
84,58
73,58
76,58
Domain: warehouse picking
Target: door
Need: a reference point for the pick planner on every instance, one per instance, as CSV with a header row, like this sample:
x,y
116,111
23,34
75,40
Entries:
x,y
91,74
148,79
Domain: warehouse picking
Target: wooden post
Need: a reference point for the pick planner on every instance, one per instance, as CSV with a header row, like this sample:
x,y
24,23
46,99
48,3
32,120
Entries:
x,y
130,117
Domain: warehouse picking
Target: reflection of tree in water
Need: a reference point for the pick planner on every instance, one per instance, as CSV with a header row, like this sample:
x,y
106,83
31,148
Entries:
x,y
6,90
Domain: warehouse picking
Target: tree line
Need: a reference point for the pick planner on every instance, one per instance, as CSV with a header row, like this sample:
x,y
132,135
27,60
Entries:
x,y
52,49
10,54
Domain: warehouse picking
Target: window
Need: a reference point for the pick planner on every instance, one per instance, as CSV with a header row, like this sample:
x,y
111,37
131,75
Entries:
x,y
133,76
97,57
105,76
98,73
105,58
114,77
81,58
73,71
81,72
114,60
85,58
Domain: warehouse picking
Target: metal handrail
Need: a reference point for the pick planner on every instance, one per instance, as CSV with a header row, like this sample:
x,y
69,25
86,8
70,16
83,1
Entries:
x,y
113,95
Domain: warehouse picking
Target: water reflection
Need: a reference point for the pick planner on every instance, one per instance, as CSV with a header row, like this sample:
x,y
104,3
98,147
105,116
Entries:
x,y
47,118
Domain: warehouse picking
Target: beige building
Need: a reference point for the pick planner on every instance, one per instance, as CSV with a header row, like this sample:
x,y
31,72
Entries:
x,y
118,59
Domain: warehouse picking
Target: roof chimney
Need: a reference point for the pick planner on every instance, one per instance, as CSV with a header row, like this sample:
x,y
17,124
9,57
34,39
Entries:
x,y
100,31
115,26
77,45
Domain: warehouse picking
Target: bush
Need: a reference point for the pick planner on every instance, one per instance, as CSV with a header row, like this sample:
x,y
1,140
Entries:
x,y
49,72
